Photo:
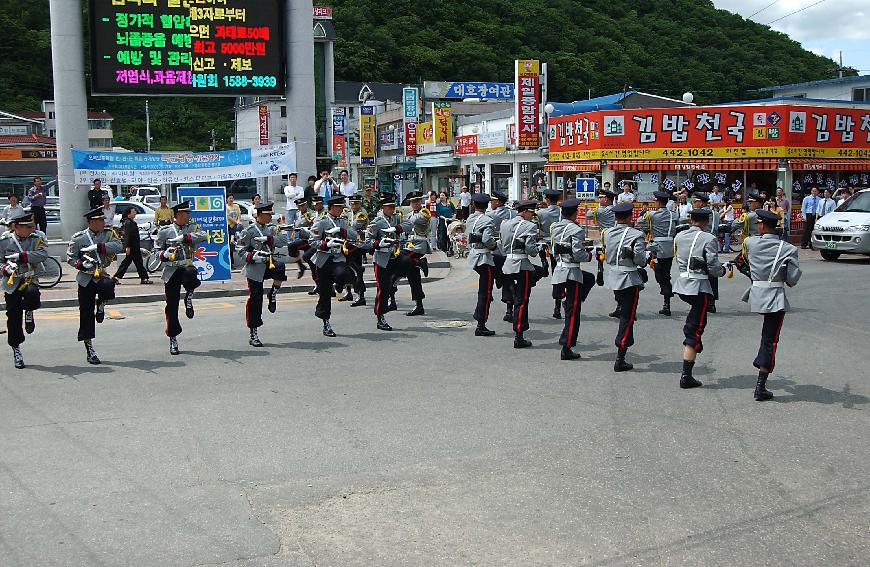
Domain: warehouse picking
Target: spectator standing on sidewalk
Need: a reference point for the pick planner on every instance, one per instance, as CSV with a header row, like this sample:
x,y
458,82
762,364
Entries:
x,y
310,191
12,210
626,196
36,196
826,205
446,212
783,203
809,210
132,248
292,191
163,214
432,205
234,224
464,202
347,187
95,194
728,222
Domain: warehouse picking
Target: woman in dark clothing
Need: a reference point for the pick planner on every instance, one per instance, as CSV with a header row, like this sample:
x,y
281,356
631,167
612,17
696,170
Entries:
x,y
132,249
446,213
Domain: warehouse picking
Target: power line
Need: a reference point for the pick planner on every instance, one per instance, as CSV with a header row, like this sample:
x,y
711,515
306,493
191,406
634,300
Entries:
x,y
763,9
795,12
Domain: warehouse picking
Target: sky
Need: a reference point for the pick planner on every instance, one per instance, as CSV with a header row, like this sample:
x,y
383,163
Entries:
x,y
826,28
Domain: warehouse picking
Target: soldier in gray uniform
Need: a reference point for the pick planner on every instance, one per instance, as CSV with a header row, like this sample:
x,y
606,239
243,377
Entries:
x,y
519,239
382,236
702,201
499,213
90,252
261,242
771,264
546,217
567,243
301,231
698,261
660,227
22,251
749,219
176,244
317,213
358,218
482,241
626,256
330,235
604,220
412,258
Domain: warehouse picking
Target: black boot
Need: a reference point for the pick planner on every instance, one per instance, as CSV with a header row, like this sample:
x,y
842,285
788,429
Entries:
x,y
509,314
482,331
424,267
666,308
391,306
359,302
557,309
327,329
273,299
91,353
621,365
254,341
188,305
313,290
614,313
686,379
418,310
762,394
521,342
348,296
383,325
568,354
301,269
100,315
712,308
29,322
173,346
16,356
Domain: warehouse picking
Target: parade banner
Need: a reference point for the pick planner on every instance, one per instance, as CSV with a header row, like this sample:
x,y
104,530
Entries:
x,y
208,209
442,123
367,135
129,168
743,131
528,78
339,137
264,124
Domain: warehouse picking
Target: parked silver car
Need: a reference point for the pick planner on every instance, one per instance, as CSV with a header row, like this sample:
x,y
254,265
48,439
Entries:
x,y
846,230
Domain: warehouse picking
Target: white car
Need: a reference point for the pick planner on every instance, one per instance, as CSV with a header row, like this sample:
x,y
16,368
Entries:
x,y
144,213
139,193
846,230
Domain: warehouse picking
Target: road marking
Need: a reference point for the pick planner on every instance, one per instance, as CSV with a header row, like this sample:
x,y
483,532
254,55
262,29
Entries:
x,y
115,314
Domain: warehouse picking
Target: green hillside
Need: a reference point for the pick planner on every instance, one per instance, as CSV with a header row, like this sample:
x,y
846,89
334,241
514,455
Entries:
x,y
664,47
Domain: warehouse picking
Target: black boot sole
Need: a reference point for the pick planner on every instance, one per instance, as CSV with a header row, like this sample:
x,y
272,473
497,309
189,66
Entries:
x,y
689,385
572,356
763,397
358,303
483,333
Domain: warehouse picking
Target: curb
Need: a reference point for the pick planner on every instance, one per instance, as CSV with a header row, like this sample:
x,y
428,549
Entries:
x,y
233,292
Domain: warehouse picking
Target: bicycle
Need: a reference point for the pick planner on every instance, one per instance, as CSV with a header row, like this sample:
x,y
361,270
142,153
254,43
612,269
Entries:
x,y
50,272
736,240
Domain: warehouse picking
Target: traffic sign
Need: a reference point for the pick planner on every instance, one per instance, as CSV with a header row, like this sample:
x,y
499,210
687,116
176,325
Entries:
x,y
586,187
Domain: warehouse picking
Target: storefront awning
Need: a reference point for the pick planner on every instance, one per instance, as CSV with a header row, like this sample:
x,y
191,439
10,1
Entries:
x,y
830,164
698,164
590,165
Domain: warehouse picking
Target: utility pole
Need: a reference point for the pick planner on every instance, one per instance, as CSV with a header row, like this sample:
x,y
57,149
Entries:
x,y
147,128
840,70
213,142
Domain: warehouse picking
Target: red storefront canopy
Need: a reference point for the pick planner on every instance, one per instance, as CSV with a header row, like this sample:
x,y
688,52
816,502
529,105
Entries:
x,y
830,164
589,165
685,165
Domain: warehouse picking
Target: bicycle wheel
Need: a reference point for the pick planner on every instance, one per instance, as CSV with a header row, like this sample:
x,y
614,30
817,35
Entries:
x,y
50,273
737,240
153,263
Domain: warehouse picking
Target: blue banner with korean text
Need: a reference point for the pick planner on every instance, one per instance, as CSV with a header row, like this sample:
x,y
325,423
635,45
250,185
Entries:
x,y
208,209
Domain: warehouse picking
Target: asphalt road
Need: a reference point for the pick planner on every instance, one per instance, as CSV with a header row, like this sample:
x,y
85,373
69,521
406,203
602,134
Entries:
x,y
428,446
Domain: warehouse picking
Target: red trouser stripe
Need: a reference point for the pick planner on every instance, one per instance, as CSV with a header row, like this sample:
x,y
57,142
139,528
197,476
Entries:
x,y
702,321
776,341
519,324
488,293
378,294
573,315
630,319
247,306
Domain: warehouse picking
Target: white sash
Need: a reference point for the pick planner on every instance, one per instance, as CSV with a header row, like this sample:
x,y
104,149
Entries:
x,y
689,273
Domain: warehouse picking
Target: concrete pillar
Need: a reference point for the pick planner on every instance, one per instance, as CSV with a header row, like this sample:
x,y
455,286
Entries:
x,y
488,185
70,106
329,93
300,86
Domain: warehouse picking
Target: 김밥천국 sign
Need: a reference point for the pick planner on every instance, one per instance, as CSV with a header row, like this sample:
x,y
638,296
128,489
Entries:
x,y
711,132
186,47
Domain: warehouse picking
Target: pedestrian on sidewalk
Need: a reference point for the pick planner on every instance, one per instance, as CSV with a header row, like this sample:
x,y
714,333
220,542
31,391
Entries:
x,y
132,248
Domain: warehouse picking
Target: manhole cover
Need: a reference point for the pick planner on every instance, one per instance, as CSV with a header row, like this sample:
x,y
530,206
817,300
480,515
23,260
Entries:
x,y
448,324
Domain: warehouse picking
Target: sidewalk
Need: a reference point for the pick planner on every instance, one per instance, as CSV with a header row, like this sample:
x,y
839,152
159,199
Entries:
x,y
131,291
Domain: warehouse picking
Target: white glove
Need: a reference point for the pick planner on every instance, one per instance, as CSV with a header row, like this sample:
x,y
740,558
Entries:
x,y
334,242
169,252
261,257
333,230
387,242
261,238
87,265
13,258
389,230
90,248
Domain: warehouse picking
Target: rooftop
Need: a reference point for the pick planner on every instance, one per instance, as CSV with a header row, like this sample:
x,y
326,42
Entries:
x,y
29,141
822,82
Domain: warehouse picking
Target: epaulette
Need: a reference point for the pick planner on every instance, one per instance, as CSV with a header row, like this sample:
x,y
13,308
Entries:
x,y
79,233
6,234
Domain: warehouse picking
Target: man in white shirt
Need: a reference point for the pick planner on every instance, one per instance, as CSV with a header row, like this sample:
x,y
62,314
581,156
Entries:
x,y
716,196
464,202
626,196
347,187
291,193
826,205
325,186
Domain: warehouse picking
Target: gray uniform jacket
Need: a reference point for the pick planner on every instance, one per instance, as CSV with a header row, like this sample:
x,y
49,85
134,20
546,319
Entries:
x,y
255,269
192,237
604,217
302,226
86,238
480,253
32,251
519,240
416,230
375,233
568,233
713,224
749,220
693,243
320,234
547,217
622,271
500,215
358,220
773,264
663,225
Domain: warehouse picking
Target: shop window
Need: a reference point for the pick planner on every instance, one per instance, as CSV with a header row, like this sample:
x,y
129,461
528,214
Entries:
x,y
861,95
283,111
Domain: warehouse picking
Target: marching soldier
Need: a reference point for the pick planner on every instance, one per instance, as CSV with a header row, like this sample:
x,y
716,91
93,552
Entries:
x,y
604,220
22,251
261,241
90,252
358,218
519,239
697,254
567,243
626,257
499,213
547,216
749,219
301,231
771,264
482,241
412,258
176,244
660,226
331,234
702,201
382,236
308,256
